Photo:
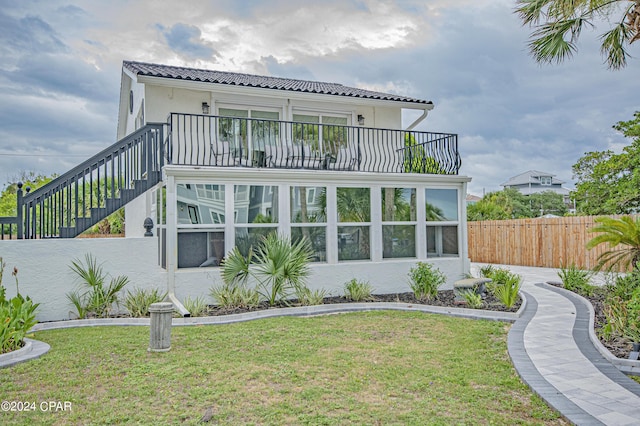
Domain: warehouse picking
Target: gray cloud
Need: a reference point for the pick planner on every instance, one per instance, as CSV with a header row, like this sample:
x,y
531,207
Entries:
x,y
186,40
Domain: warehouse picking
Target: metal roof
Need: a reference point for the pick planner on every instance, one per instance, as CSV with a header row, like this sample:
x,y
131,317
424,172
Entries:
x,y
265,82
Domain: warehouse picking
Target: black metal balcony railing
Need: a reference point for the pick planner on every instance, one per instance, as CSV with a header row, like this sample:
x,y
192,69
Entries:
x,y
207,140
91,191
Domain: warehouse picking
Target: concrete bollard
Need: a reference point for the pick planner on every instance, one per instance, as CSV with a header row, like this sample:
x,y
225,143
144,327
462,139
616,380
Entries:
x,y
160,330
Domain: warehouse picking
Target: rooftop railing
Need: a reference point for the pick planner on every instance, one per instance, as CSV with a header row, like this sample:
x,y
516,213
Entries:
x,y
208,140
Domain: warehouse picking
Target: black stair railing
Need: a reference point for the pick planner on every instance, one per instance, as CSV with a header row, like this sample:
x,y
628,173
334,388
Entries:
x,y
91,191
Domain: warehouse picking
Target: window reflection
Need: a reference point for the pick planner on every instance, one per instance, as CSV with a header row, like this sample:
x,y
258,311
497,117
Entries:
x,y
441,204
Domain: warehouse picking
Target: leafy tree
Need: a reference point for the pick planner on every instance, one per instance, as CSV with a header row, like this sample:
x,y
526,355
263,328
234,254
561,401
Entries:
x,y
512,204
558,24
609,183
8,198
624,231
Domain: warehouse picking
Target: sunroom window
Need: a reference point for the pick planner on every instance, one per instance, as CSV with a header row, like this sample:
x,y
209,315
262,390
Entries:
x,y
257,215
442,222
398,222
354,223
308,219
200,214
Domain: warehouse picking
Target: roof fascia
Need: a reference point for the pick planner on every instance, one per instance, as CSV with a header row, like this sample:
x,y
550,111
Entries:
x,y
290,94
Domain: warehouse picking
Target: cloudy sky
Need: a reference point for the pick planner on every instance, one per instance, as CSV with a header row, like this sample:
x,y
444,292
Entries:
x,y
60,64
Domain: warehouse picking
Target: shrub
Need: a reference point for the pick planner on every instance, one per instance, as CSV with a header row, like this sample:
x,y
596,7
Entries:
x,y
230,296
197,307
626,285
307,297
505,286
279,267
358,291
18,315
138,301
425,279
473,299
97,299
576,280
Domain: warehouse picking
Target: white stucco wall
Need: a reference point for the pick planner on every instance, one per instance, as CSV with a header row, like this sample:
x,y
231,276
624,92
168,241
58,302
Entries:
x,y
385,277
44,274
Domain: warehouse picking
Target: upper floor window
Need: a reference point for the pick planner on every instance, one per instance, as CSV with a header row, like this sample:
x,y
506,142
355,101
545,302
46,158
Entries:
x,y
545,180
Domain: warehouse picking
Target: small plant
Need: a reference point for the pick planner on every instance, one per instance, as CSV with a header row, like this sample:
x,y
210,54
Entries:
x,y
615,313
138,301
425,279
230,296
279,267
486,271
626,285
197,307
576,280
507,288
473,299
308,297
358,291
97,299
17,316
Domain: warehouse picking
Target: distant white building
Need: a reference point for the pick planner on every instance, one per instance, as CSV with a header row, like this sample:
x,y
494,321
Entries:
x,y
534,181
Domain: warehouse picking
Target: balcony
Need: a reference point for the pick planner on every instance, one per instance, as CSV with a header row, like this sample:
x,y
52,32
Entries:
x,y
207,140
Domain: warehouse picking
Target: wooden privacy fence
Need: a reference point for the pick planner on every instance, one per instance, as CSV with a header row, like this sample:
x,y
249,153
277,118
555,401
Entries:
x,y
541,242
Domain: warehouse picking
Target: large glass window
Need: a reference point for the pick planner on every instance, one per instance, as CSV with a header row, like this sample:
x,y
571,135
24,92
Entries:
x,y
308,218
442,206
398,222
354,216
247,141
442,241
200,214
255,207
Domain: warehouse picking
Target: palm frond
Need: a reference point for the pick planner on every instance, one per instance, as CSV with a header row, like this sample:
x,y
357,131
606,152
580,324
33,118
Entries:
x,y
613,46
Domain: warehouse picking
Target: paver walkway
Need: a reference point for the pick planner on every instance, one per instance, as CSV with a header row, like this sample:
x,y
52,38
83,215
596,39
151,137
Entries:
x,y
552,352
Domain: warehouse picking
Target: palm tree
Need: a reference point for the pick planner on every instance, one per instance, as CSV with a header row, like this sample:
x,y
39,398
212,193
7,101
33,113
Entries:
x,y
558,24
624,231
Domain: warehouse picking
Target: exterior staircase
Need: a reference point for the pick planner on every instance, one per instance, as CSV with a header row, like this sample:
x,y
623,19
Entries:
x,y
94,189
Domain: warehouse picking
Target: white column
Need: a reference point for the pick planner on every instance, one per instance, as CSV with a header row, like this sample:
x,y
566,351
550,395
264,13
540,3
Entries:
x,y
421,217
172,234
332,225
284,209
376,223
229,218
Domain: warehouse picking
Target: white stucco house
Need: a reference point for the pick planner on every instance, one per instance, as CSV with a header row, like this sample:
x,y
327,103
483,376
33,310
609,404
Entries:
x,y
217,159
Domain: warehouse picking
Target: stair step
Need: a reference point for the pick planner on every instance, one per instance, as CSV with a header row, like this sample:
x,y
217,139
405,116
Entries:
x,y
68,232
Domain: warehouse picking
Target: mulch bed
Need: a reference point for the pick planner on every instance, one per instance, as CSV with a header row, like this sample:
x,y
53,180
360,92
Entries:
x,y
444,298
618,347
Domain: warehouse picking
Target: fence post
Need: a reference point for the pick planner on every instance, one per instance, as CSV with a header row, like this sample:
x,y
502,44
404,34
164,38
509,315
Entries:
x,y
19,211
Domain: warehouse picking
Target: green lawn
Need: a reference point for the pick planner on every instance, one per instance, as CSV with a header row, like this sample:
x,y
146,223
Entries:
x,y
361,368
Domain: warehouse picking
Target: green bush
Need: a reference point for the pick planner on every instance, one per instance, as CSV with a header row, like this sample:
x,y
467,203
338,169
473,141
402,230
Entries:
x,y
96,299
278,267
235,296
17,316
307,297
425,279
505,286
138,301
197,307
576,280
626,285
357,291
473,299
